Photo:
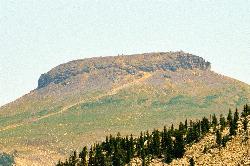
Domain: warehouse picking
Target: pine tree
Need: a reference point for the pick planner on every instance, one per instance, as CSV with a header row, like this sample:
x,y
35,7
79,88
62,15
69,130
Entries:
x,y
244,112
198,130
156,143
91,157
143,157
245,123
191,123
118,157
247,109
99,157
163,139
236,115
120,150
168,157
140,144
179,145
222,122
128,149
224,140
172,129
73,159
214,121
234,124
232,129
218,137
189,137
83,155
167,146
186,125
229,117
191,162
182,127
204,125
148,144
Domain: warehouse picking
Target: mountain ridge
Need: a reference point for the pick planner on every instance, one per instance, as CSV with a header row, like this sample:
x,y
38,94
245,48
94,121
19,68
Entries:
x,y
109,99
151,62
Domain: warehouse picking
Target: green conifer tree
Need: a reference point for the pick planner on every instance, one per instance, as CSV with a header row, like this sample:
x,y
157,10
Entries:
x,y
218,137
214,121
179,145
245,123
236,115
73,159
222,122
182,127
91,157
186,125
229,117
83,156
191,161
156,143
205,125
232,128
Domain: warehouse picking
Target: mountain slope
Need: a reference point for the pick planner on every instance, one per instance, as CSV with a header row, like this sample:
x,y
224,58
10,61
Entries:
x,y
91,98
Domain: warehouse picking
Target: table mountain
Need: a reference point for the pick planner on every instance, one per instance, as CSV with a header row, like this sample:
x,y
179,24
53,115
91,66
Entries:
x,y
82,101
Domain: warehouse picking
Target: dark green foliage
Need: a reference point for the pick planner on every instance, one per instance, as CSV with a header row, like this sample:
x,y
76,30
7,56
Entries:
x,y
168,144
246,111
118,156
233,125
140,145
73,159
191,162
155,145
129,148
218,137
194,132
245,123
83,157
182,128
236,115
91,157
229,117
179,145
186,125
214,121
99,156
168,157
205,125
224,140
172,129
222,122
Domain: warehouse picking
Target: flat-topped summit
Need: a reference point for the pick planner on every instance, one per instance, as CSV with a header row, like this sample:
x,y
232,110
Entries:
x,y
132,64
83,101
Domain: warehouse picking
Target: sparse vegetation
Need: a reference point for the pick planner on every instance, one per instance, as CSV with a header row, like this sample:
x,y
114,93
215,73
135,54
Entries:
x,y
102,96
167,145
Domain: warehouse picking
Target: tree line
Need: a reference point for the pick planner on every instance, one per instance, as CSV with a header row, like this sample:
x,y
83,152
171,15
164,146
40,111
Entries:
x,y
167,144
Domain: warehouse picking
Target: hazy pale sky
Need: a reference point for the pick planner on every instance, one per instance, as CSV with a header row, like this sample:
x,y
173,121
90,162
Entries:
x,y
38,35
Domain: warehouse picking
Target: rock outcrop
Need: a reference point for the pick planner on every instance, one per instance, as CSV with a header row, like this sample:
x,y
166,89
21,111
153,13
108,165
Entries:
x,y
81,102
171,61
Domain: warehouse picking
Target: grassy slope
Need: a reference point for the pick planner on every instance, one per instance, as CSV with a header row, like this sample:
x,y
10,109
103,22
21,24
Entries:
x,y
139,106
